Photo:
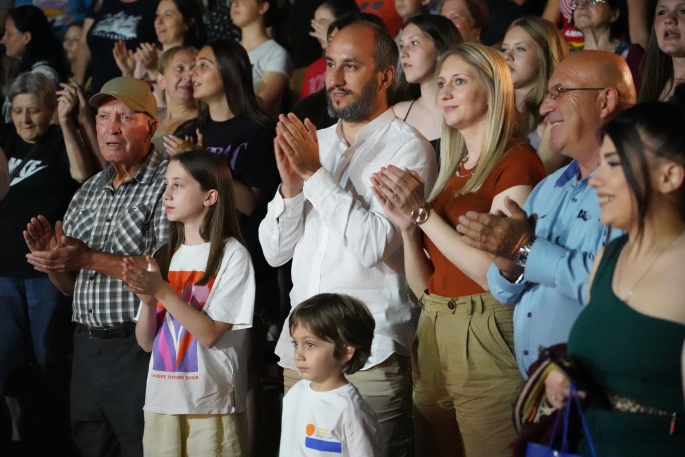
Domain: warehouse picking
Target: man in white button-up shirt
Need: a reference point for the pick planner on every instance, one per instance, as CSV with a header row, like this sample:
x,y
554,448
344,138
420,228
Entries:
x,y
325,218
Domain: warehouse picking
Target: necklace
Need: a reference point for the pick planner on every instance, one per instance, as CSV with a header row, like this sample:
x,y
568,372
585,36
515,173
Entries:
x,y
630,292
463,161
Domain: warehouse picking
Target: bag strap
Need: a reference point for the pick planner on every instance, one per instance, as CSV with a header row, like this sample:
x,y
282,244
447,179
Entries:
x,y
29,156
574,394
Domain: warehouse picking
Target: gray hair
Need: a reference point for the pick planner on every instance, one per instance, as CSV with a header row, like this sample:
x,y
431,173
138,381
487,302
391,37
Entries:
x,y
36,84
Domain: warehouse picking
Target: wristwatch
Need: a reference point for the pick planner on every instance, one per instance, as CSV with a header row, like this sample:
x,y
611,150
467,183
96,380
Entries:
x,y
521,255
420,214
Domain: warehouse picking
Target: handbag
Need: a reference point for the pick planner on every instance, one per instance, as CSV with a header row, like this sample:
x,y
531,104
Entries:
x,y
541,450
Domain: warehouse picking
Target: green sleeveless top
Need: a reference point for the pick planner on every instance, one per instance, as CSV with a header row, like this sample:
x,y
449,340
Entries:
x,y
635,356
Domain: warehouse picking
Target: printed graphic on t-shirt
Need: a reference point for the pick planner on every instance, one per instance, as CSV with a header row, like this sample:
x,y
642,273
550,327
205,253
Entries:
x,y
175,349
320,439
229,153
27,170
119,26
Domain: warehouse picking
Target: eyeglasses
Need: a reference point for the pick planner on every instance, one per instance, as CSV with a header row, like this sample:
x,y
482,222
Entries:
x,y
577,3
555,93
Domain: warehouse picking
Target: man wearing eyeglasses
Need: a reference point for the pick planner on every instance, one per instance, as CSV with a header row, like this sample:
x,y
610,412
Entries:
x,y
542,261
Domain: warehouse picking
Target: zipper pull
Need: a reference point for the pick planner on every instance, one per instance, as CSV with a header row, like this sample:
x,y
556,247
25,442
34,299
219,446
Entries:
x,y
672,427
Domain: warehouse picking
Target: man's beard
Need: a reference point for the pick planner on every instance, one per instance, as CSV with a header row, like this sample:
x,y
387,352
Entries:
x,y
360,109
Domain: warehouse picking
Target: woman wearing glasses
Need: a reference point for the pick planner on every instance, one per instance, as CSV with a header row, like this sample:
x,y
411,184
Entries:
x,y
602,22
465,373
630,335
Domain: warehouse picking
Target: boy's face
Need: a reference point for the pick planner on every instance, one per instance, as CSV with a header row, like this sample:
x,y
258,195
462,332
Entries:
x,y
316,361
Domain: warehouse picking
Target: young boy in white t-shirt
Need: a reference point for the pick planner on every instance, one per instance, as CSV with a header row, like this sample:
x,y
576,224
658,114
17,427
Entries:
x,y
324,415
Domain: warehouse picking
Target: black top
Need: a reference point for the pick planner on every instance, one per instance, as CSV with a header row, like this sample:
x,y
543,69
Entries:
x,y
315,107
502,14
115,20
43,186
247,146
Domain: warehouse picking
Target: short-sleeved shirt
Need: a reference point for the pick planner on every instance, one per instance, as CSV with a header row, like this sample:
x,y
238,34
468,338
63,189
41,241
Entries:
x,y
185,377
248,148
269,57
43,186
127,221
131,22
519,166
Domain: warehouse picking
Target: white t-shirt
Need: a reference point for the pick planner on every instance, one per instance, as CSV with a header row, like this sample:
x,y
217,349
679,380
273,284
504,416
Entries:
x,y
323,424
185,377
270,56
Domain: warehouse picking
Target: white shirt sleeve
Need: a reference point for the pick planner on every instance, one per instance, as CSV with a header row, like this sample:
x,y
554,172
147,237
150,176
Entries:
x,y
282,227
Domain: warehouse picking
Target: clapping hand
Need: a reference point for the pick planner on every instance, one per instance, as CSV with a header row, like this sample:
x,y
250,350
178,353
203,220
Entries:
x,y
175,145
124,58
146,284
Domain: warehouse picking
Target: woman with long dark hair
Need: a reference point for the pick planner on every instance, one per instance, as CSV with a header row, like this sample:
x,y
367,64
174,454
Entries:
x,y
629,338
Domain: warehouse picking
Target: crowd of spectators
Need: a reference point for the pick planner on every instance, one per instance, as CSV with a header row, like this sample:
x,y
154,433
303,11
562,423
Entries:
x,y
483,178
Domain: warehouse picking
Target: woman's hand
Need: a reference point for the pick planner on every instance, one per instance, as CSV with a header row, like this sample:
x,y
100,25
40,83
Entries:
x,y
396,216
175,145
403,188
557,389
68,104
320,32
147,55
146,284
124,58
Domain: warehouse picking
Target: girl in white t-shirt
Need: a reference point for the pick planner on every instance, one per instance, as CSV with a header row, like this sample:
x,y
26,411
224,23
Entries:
x,y
324,414
197,303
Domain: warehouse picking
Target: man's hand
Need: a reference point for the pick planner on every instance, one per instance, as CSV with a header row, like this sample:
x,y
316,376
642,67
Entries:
x,y
65,253
291,182
299,143
496,233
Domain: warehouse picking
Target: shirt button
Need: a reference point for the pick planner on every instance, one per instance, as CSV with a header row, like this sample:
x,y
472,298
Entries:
x,y
574,199
92,277
529,314
108,220
90,311
525,352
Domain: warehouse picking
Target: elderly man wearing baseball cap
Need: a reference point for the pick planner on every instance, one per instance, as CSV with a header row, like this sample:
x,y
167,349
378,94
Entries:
x,y
117,213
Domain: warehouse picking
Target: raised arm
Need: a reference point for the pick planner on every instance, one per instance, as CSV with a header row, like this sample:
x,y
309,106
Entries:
x,y
83,53
80,166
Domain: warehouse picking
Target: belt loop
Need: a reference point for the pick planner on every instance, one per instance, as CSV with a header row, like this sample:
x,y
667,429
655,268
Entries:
x,y
469,307
480,303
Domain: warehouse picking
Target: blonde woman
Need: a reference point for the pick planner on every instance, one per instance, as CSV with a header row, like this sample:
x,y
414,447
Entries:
x,y
532,48
465,371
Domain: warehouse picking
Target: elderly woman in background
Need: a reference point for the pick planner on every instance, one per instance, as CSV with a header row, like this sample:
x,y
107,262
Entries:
x,y
464,369
532,48
602,22
470,17
46,163
178,118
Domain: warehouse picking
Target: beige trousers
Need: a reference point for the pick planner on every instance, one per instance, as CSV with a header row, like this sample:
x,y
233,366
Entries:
x,y
195,435
465,377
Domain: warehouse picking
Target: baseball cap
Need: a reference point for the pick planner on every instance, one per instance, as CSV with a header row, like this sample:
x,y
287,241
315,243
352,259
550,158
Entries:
x,y
132,92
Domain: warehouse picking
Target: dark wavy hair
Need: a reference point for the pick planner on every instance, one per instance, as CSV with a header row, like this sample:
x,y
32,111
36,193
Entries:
x,y
44,45
235,70
646,131
341,320
221,220
196,35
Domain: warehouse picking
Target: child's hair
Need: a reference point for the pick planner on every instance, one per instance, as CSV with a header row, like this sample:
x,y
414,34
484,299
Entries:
x,y
221,220
341,320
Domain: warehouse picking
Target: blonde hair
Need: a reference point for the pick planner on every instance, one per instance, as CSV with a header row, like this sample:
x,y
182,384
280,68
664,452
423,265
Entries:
x,y
504,122
552,49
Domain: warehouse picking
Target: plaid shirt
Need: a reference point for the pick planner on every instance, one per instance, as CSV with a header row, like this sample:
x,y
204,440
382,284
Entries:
x,y
127,221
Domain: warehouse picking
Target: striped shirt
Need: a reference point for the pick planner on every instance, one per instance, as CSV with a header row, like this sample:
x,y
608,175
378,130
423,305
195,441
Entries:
x,y
127,221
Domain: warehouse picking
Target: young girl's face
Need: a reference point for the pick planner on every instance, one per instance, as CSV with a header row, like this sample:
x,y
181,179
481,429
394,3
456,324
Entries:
x,y
184,199
417,55
205,76
246,12
521,53
315,359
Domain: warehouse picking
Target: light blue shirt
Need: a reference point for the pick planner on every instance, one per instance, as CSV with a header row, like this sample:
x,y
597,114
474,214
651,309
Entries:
x,y
551,295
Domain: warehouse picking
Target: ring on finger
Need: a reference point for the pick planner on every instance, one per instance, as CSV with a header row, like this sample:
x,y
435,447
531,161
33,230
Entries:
x,y
554,397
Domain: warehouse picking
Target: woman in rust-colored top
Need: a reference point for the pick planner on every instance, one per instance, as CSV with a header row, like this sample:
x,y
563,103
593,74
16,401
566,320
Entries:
x,y
465,371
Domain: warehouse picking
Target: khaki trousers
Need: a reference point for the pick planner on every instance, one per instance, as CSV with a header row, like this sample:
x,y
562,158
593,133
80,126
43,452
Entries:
x,y
195,435
465,377
387,389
